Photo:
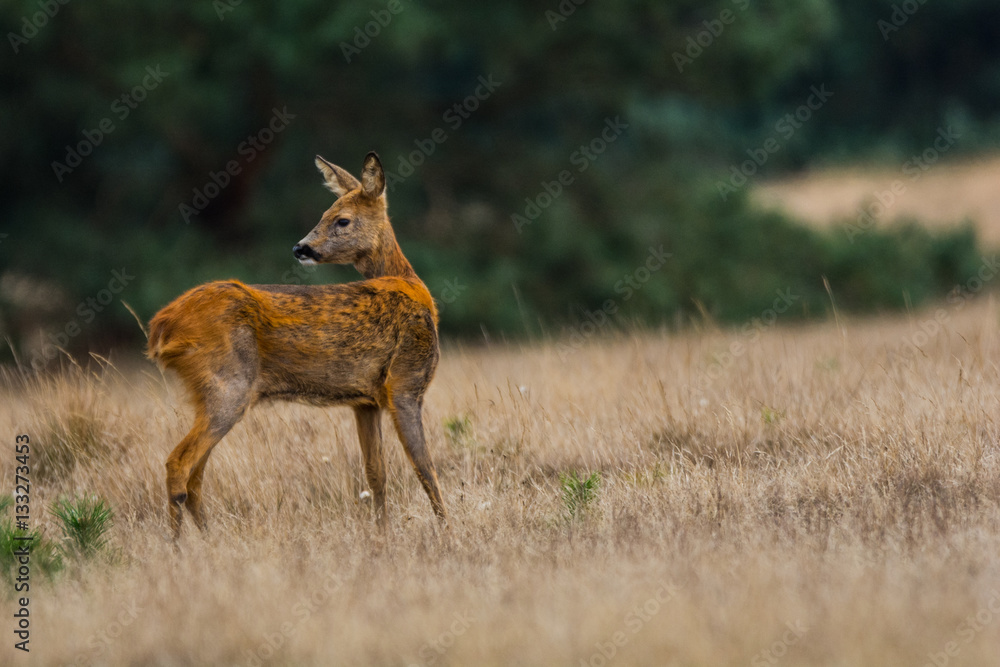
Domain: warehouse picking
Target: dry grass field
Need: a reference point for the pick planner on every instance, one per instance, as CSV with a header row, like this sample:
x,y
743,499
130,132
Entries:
x,y
822,494
948,192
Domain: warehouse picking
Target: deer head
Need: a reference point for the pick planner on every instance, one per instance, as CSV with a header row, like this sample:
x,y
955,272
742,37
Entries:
x,y
356,228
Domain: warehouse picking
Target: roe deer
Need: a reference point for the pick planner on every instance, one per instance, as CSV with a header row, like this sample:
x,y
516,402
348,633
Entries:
x,y
371,344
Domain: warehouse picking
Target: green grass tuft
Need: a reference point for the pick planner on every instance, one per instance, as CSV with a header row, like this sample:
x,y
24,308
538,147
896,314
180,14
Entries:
x,y
85,522
579,493
458,430
44,555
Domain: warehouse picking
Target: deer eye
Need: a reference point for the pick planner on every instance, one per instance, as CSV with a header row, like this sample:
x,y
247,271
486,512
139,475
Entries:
x,y
342,222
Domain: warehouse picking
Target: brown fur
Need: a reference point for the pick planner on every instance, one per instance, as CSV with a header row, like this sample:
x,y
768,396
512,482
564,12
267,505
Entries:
x,y
371,344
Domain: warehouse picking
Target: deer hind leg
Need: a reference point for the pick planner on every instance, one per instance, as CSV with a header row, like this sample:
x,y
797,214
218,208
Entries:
x,y
369,419
215,414
193,502
180,464
406,413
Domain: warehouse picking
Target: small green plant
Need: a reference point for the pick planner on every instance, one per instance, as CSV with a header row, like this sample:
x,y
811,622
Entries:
x,y
45,557
458,430
85,523
578,493
830,364
770,415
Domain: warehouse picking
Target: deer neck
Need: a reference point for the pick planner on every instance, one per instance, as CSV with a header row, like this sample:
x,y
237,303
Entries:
x,y
386,260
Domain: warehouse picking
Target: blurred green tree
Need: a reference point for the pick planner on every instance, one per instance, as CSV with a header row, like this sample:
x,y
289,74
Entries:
x,y
144,136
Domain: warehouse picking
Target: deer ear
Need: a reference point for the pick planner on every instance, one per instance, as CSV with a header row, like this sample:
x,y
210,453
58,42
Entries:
x,y
337,180
372,176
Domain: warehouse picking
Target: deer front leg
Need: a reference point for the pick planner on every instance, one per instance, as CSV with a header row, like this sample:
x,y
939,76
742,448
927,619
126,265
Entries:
x,y
369,420
406,415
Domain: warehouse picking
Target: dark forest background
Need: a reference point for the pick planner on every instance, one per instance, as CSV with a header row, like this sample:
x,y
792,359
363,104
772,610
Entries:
x,y
692,89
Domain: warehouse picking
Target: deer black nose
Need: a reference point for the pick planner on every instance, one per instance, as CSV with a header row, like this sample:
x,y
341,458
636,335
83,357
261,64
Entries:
x,y
304,251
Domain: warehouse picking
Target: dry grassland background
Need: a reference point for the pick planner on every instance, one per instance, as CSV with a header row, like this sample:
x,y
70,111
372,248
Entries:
x,y
820,494
940,196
